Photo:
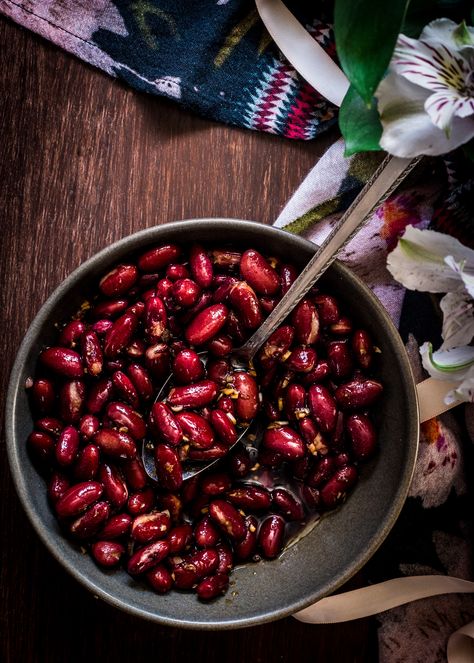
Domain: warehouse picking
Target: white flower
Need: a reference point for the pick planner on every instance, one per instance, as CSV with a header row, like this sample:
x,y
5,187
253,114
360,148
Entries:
x,y
434,262
426,101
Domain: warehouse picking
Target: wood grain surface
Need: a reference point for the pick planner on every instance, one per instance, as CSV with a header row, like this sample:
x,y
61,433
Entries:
x,y
85,161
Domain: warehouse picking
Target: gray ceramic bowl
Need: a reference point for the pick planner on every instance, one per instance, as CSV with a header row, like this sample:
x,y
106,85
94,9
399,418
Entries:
x,y
324,559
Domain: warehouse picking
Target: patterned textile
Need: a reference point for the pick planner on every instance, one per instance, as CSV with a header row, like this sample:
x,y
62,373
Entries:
x,y
212,56
433,534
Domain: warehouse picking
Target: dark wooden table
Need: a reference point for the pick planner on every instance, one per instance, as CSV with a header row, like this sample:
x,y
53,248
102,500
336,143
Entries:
x,y
84,162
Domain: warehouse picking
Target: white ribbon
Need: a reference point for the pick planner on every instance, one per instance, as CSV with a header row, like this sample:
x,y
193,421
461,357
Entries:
x,y
315,66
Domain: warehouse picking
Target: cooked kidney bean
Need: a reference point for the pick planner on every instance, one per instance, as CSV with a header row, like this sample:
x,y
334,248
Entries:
x,y
94,398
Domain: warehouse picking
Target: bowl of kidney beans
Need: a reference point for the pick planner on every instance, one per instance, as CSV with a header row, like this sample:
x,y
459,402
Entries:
x,y
326,410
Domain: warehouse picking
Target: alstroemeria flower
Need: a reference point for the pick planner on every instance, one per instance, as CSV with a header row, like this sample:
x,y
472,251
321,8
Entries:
x,y
430,261
426,101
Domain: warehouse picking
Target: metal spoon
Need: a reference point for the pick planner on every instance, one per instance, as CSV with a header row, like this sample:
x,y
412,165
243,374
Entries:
x,y
385,179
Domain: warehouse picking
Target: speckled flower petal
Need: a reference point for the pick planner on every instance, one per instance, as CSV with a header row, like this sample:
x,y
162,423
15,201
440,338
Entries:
x,y
465,391
458,319
453,364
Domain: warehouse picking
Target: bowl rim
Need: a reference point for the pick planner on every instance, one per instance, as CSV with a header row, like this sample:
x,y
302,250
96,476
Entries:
x,y
133,242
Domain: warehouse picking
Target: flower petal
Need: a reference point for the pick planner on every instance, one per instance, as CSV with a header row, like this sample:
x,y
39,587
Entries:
x,y
465,391
443,30
407,128
442,106
418,261
452,364
458,319
465,271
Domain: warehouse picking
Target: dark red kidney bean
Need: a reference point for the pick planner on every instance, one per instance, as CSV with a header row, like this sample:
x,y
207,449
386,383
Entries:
x,y
158,258
120,334
284,441
315,441
240,463
218,450
277,345
155,319
125,417
267,304
135,473
224,427
362,348
90,522
179,538
63,361
343,327
109,309
340,358
319,373
206,533
362,436
147,557
201,266
100,327
228,519
89,424
311,497
234,328
196,430
321,471
187,367
226,404
342,459
198,506
358,394
67,446
280,384
245,549
305,320
247,402
243,298
212,587
226,558
160,579
215,484
78,498
288,276
163,290
272,413
206,324
218,370
322,407
221,293
115,488
115,443
125,388
287,504
328,309
194,567
269,458
165,424
220,346
196,395
57,486
172,502
301,360
116,526
176,271
41,445
71,333
295,401
141,380
157,360
119,280
226,259
107,553
204,300
301,467
141,502
98,395
49,425
136,349
270,536
92,355
338,434
72,400
168,467
149,527
335,490
258,273
253,498
43,395
190,489
186,292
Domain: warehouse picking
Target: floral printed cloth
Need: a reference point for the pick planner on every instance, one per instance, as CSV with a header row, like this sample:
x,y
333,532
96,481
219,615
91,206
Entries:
x,y
212,56
433,534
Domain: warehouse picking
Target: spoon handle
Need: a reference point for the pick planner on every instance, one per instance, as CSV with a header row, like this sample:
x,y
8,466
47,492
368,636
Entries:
x,y
385,179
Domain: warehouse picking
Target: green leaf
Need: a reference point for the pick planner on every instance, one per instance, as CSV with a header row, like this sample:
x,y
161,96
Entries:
x,y
359,124
366,33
